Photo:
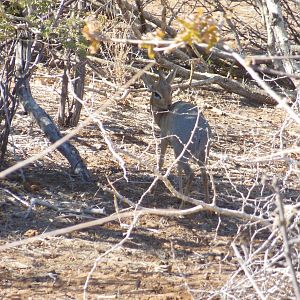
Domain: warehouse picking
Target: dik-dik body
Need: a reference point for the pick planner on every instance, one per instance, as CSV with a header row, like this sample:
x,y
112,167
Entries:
x,y
182,126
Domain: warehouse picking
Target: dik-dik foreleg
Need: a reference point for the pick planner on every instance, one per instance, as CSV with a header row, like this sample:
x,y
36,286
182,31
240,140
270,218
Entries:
x,y
163,149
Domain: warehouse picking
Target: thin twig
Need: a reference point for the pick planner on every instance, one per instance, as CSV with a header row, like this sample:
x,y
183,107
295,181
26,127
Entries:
x,y
282,224
247,272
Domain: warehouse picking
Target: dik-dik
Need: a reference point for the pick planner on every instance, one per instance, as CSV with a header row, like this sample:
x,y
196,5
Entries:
x,y
182,126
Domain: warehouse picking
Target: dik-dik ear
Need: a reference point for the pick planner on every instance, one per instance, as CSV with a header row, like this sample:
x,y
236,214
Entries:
x,y
171,76
148,81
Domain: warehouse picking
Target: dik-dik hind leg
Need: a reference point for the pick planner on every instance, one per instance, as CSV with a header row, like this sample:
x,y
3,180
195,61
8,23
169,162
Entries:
x,y
179,174
205,182
189,179
202,158
184,166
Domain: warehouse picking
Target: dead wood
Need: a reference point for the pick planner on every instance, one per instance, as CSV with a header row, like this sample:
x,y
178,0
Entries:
x,y
146,15
126,8
230,85
278,40
215,53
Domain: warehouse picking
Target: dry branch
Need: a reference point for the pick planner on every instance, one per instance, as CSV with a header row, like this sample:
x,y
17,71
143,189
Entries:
x,y
278,37
283,224
126,8
148,16
248,273
227,84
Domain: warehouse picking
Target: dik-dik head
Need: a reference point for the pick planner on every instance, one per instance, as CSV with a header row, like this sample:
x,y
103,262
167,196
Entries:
x,y
161,97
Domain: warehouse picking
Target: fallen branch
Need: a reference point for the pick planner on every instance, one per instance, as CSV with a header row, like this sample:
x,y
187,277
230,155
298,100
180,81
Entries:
x,y
114,217
227,84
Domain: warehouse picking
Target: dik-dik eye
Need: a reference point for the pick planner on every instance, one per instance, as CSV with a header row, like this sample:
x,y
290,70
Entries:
x,y
156,95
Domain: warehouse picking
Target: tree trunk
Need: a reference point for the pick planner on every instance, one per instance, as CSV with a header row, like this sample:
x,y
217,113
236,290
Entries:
x,y
281,41
8,102
61,115
23,57
80,70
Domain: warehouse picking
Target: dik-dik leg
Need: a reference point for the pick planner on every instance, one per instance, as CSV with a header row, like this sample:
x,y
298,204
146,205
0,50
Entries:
x,y
184,165
163,148
204,181
202,164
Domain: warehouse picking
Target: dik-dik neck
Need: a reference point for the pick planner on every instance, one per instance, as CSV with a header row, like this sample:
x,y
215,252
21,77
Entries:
x,y
159,116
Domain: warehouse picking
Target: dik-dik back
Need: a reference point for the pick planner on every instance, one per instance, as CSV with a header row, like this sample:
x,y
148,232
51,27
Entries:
x,y
182,126
185,126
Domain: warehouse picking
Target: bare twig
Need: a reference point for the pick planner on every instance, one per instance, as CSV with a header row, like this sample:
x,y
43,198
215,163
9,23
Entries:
x,y
282,224
247,272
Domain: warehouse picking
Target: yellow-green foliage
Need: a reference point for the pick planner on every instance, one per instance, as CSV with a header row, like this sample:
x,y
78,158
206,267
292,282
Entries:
x,y
91,31
158,35
198,28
